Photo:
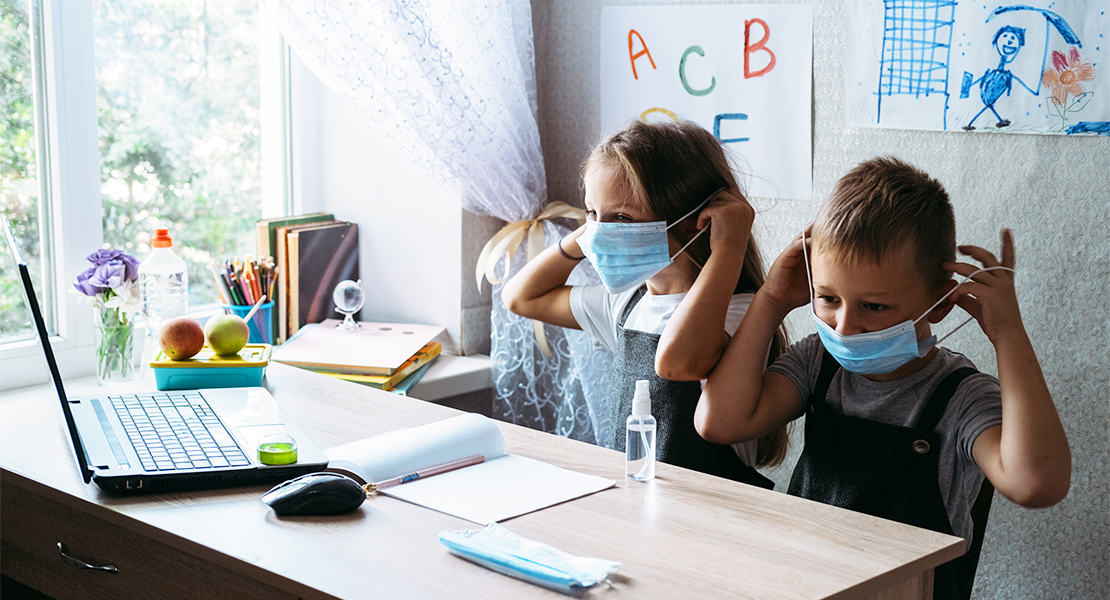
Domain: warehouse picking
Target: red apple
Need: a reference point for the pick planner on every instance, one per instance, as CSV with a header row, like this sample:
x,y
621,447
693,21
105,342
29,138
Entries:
x,y
181,338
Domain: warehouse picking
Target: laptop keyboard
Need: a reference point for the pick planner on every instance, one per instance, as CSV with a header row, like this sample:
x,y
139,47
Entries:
x,y
176,430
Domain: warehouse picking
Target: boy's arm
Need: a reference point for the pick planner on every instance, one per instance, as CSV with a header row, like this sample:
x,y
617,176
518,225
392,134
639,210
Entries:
x,y
1027,457
740,402
539,290
695,337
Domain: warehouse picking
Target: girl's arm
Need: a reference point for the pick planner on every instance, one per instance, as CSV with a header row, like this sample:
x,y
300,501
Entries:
x,y
694,338
740,401
539,291
1027,458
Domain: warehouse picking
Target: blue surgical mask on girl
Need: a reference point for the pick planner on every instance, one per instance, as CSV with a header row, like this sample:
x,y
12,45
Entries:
x,y
626,255
880,352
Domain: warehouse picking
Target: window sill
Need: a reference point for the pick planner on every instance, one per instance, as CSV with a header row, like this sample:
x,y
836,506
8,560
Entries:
x,y
451,375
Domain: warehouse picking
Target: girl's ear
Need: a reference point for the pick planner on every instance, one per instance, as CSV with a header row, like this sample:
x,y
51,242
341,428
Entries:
x,y
937,314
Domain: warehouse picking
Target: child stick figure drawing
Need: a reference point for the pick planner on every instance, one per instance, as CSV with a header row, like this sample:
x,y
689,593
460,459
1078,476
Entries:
x,y
1008,42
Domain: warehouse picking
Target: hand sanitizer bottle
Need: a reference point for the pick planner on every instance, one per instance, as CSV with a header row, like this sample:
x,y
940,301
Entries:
x,y
640,436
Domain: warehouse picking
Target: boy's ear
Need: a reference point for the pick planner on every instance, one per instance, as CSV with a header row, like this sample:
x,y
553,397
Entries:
x,y
941,311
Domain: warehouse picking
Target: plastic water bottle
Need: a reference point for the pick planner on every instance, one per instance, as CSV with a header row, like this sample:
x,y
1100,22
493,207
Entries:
x,y
163,289
640,436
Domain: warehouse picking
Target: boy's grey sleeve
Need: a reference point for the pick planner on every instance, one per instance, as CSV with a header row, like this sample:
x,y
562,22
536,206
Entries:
x,y
979,402
800,364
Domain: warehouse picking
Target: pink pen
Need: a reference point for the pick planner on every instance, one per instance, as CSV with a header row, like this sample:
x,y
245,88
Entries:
x,y
436,470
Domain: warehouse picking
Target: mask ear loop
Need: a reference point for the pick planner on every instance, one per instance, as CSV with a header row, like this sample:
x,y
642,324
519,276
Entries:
x,y
809,278
944,297
698,234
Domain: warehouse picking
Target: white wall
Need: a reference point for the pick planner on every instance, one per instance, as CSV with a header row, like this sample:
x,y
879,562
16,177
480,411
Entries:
x,y
1052,190
410,227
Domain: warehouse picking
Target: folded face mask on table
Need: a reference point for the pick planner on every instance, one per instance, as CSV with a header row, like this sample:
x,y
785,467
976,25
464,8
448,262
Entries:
x,y
503,551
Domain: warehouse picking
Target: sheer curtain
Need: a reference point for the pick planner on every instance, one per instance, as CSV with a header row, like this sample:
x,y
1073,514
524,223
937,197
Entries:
x,y
452,83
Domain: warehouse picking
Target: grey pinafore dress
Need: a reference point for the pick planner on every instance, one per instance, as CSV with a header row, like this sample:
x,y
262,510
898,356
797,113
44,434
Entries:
x,y
672,404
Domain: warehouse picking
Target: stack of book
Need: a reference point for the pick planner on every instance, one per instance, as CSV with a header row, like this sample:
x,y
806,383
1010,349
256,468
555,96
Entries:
x,y
312,253
387,356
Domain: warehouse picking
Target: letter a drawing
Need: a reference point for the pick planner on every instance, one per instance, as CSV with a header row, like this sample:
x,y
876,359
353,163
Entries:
x,y
632,57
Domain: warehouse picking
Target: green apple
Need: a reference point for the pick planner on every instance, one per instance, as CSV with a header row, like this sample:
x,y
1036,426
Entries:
x,y
181,338
226,334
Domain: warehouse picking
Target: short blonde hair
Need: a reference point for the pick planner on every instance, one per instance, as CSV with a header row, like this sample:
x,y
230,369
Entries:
x,y
884,205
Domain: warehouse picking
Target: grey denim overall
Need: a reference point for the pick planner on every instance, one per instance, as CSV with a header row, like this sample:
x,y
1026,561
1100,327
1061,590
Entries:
x,y
885,470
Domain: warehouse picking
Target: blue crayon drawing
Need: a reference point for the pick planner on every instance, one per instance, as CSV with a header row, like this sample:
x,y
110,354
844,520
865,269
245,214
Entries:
x,y
1098,127
1008,41
976,65
917,44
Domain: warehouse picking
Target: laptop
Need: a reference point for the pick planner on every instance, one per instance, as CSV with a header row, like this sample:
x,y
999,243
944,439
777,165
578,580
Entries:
x,y
174,440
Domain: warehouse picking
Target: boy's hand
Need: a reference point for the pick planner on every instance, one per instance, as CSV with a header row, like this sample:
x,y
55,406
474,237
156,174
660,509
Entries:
x,y
731,217
787,284
990,296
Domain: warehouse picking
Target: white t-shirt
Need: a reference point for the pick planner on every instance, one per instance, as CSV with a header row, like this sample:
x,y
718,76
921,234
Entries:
x,y
598,312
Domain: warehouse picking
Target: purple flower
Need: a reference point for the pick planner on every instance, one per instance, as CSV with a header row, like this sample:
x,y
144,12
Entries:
x,y
86,287
111,268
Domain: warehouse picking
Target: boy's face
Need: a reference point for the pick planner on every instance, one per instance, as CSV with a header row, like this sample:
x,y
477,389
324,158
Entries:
x,y
861,297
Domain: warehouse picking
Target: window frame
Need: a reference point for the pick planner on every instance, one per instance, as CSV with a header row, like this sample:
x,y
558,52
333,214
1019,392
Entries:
x,y
69,165
72,189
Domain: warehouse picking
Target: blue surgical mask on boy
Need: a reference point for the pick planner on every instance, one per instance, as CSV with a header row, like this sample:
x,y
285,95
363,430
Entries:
x,y
879,352
627,254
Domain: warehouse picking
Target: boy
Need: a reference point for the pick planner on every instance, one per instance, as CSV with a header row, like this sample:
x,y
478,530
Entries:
x,y
895,426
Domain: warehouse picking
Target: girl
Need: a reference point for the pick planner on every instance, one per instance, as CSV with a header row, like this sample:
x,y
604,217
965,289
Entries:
x,y
672,296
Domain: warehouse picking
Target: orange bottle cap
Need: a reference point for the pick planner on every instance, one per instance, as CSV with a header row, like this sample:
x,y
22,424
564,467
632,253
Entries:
x,y
161,239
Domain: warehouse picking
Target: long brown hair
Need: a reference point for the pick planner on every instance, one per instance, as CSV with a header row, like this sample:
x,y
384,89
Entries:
x,y
669,168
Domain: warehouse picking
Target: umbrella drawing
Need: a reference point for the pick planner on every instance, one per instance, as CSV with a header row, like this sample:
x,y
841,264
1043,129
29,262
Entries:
x,y
1051,20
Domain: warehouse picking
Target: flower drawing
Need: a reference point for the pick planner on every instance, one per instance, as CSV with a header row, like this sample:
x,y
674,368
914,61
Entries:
x,y
1065,80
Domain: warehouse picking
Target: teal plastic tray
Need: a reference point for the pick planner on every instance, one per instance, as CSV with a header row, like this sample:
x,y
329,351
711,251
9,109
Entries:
x,y
206,370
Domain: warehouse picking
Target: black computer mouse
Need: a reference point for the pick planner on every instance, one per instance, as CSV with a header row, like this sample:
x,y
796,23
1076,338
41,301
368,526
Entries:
x,y
320,493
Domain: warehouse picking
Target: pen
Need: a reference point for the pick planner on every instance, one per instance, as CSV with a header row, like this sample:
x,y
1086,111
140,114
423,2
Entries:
x,y
370,488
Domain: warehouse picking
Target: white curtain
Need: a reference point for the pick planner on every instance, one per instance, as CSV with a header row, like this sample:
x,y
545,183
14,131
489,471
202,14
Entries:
x,y
452,83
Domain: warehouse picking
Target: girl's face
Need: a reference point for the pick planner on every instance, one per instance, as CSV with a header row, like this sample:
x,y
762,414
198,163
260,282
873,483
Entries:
x,y
608,199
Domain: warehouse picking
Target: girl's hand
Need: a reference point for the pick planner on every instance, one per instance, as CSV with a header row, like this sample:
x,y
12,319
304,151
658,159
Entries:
x,y
730,218
990,296
787,285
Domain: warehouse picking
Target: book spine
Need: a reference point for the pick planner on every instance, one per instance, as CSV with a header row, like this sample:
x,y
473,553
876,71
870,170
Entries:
x,y
425,356
293,244
261,233
282,291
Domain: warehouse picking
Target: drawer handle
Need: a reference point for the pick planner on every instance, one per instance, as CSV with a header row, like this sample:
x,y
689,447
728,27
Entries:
x,y
78,564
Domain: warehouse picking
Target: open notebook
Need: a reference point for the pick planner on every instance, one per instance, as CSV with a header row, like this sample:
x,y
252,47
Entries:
x,y
502,487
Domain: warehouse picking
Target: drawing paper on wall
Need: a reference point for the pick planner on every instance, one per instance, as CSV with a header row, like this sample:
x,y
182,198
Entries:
x,y
979,65
743,72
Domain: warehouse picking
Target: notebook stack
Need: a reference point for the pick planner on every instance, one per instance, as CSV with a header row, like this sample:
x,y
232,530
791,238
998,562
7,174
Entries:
x,y
386,356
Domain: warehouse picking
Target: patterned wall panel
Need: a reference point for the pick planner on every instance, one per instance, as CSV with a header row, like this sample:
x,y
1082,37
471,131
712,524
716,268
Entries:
x,y
1054,192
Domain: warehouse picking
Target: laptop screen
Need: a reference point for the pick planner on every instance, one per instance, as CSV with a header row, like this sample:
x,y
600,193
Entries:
x,y
44,339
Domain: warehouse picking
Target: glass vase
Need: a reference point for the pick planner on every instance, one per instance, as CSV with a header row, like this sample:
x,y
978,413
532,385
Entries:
x,y
115,343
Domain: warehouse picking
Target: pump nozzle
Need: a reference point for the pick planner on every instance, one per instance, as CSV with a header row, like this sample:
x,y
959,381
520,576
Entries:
x,y
641,401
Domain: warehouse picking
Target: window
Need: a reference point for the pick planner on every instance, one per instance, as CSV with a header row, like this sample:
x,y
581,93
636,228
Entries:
x,y
178,105
132,115
19,180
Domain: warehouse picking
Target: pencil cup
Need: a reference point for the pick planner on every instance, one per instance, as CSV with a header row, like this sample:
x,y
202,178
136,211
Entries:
x,y
261,325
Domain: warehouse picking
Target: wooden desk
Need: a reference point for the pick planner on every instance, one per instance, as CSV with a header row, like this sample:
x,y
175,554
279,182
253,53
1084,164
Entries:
x,y
683,535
